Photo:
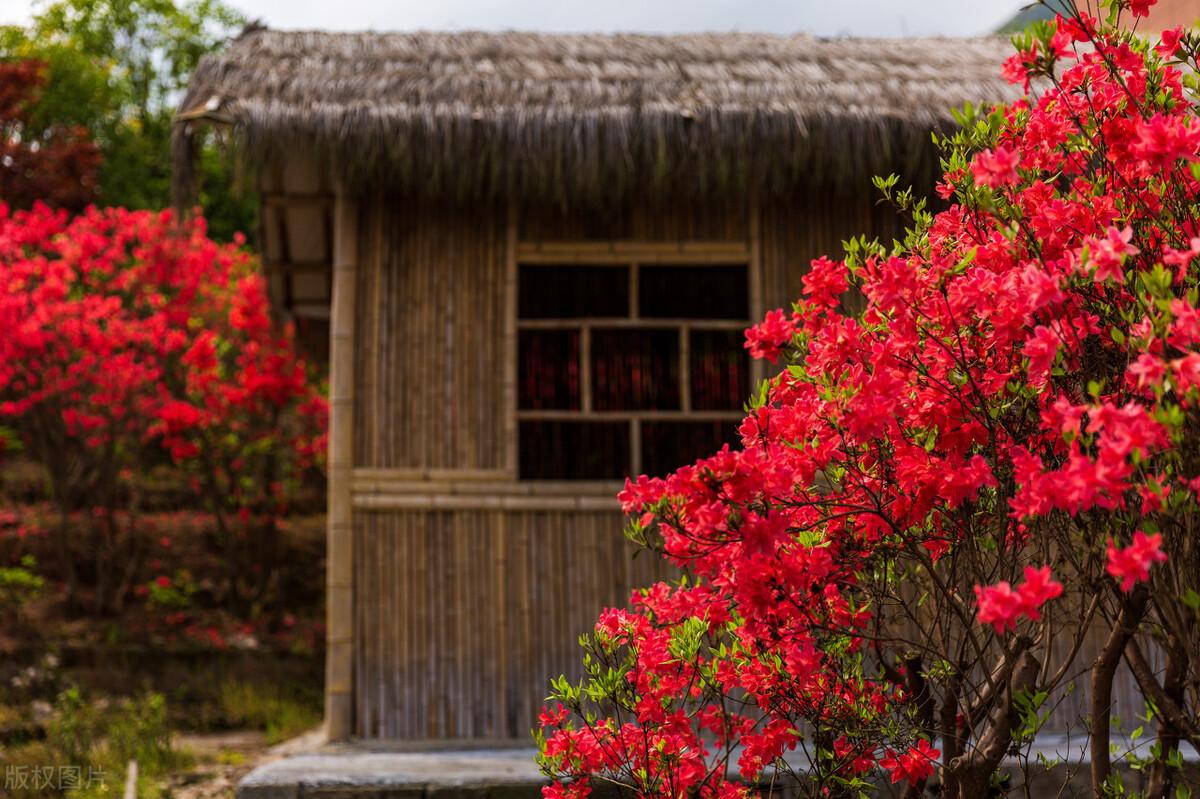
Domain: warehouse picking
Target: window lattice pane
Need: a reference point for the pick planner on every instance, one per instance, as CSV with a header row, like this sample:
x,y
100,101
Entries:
x,y
549,370
575,374
668,445
693,292
571,292
720,370
635,370
557,450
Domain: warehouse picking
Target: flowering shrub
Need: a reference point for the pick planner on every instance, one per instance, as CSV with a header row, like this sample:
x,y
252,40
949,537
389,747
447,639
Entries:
x,y
939,501
129,341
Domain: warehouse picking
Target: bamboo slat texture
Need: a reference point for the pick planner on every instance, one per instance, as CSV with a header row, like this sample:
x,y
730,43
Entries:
x,y
1069,706
431,342
808,226
465,615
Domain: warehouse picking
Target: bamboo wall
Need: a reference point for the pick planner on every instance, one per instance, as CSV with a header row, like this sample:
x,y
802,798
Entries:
x,y
431,346
471,588
464,615
796,231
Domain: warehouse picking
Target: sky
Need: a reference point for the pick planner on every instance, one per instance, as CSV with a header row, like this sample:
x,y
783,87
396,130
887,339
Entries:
x,y
822,17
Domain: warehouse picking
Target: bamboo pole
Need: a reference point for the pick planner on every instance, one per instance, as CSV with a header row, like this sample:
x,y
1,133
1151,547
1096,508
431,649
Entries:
x,y
757,300
339,657
509,352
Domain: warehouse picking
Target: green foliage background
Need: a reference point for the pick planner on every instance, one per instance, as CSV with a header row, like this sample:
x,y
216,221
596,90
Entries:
x,y
118,68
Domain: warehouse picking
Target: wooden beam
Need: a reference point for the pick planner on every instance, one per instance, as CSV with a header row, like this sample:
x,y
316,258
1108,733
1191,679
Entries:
x,y
575,323
283,199
435,475
339,657
685,368
730,258
569,250
309,310
297,266
635,445
585,370
393,482
589,415
479,502
635,299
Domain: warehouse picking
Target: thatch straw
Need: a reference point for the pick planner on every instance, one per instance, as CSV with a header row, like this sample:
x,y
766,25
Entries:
x,y
470,114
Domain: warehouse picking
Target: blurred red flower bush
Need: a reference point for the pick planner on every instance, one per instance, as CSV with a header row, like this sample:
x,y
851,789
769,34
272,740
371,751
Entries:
x,y
129,343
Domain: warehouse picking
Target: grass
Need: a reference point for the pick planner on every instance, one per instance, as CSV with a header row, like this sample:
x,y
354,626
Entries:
x,y
88,746
281,713
95,737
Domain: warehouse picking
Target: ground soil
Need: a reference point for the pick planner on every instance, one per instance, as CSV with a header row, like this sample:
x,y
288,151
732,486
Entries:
x,y
217,774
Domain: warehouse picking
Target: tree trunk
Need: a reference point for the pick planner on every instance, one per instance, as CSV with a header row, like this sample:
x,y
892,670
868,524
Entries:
x,y
952,744
971,773
1103,670
1162,774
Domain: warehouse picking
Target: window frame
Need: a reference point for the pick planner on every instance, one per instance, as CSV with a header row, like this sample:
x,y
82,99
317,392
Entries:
x,y
632,256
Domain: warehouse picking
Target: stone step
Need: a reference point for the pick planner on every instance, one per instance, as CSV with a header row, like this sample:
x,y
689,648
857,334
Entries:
x,y
374,771
352,773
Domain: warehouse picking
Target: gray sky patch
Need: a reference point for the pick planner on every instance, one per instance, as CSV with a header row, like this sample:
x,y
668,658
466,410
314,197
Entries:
x,y
847,17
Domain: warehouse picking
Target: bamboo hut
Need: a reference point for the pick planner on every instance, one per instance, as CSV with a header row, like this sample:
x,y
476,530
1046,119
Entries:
x,y
530,258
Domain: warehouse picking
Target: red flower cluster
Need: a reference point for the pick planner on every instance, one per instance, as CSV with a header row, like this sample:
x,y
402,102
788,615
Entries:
x,y
768,338
995,168
120,325
1001,605
1132,563
1023,383
914,765
130,341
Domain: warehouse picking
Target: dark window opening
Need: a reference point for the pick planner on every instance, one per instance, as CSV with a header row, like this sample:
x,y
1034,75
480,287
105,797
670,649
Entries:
x,y
668,445
635,370
558,450
572,292
312,339
693,292
549,370
720,372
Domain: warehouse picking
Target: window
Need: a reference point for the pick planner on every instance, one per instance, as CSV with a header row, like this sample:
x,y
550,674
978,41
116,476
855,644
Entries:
x,y
627,368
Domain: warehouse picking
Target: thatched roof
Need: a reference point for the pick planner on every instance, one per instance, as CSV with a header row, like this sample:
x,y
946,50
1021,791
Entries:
x,y
559,115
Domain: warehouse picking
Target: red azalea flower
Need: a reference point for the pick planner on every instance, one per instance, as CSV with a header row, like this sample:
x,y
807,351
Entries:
x,y
1132,563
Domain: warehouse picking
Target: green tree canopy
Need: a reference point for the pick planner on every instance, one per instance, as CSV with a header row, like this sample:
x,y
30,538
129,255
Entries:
x,y
117,68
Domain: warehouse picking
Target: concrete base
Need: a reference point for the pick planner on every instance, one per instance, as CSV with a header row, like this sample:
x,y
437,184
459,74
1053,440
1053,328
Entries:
x,y
365,772
437,771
